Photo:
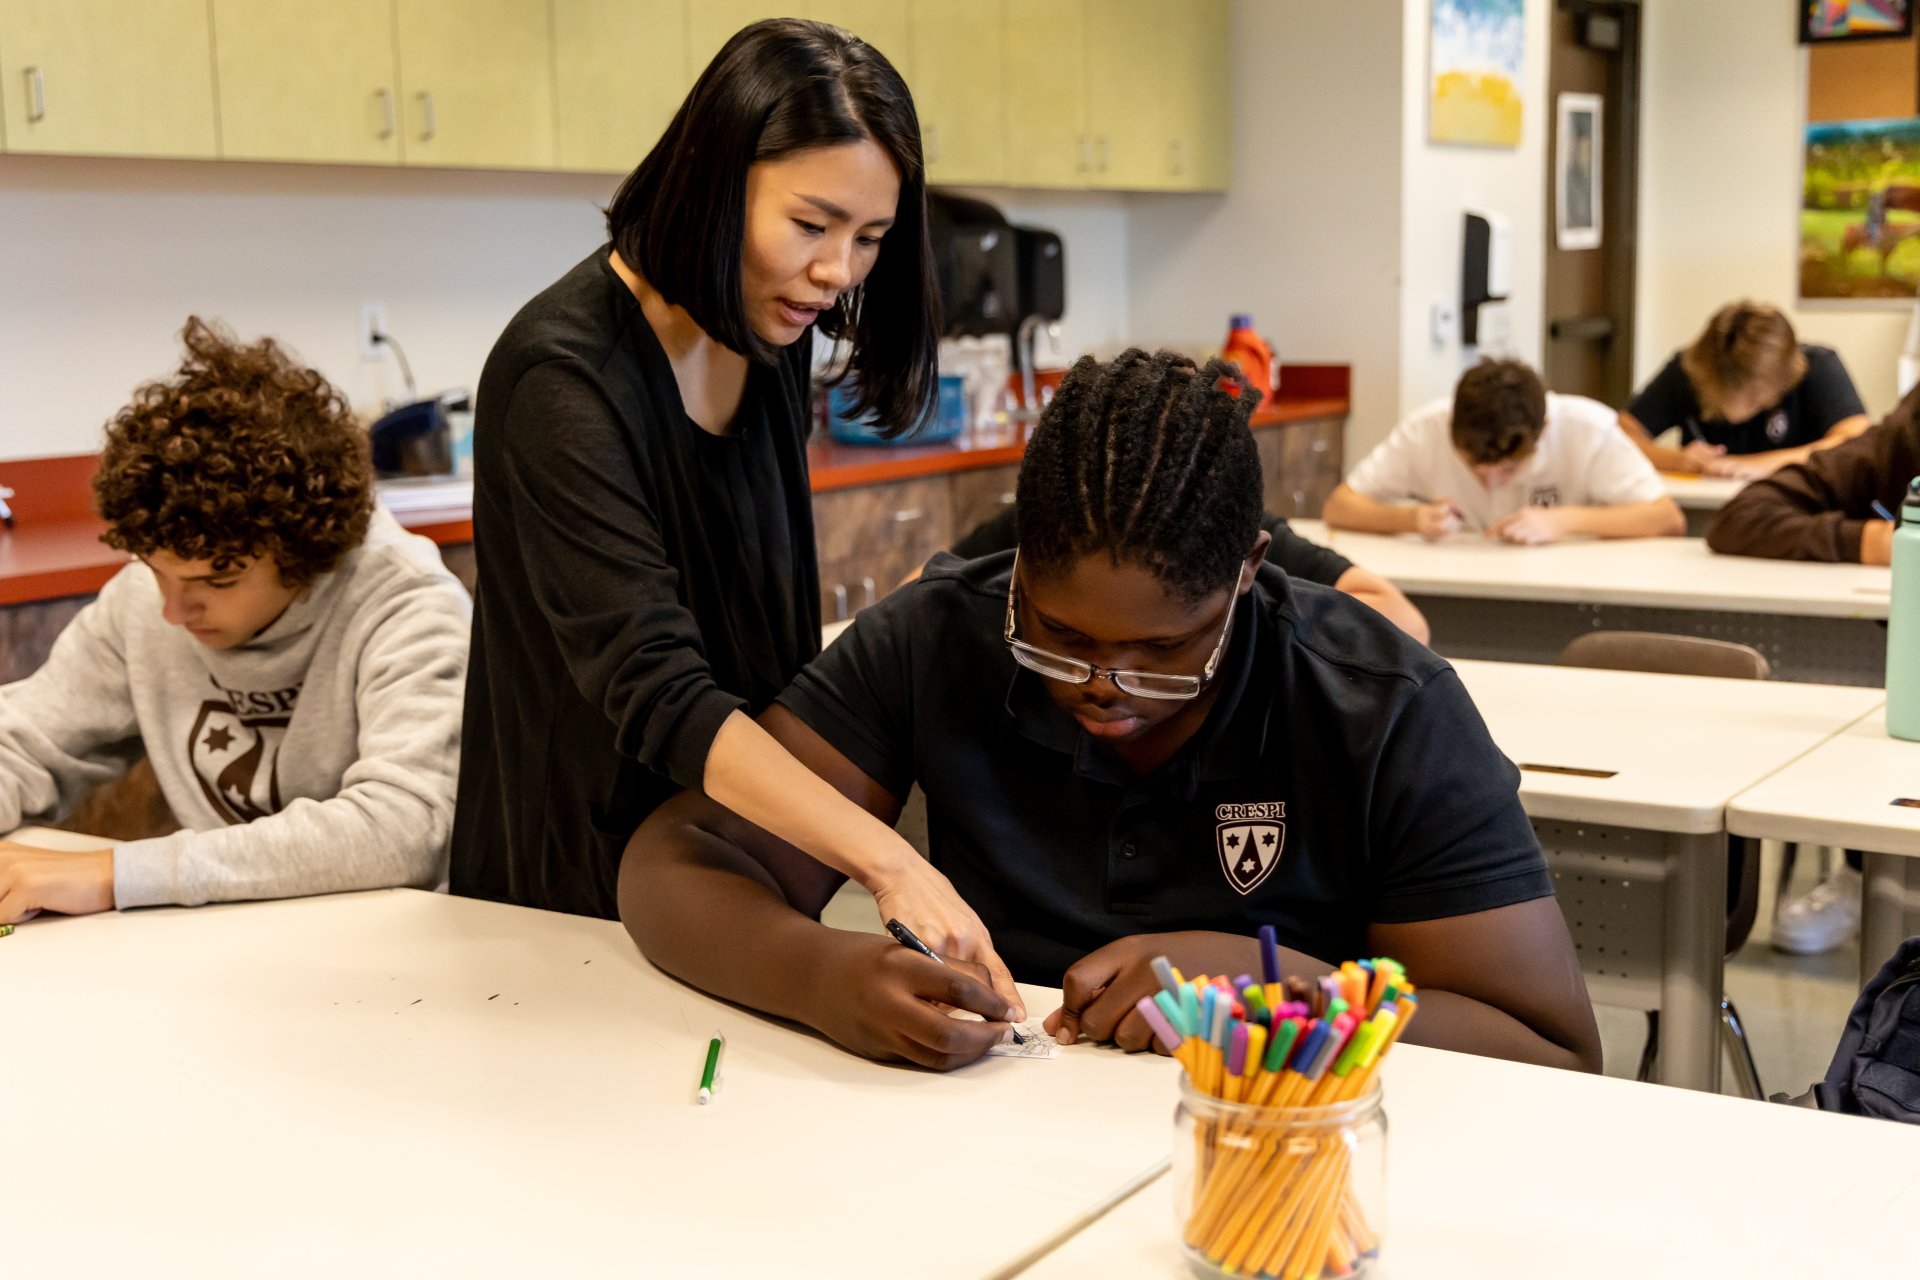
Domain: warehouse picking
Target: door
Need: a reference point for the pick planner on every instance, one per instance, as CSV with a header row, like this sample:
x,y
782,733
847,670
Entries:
x,y
476,79
1589,290
107,78
280,102
1125,105
1046,94
620,72
959,74
1197,133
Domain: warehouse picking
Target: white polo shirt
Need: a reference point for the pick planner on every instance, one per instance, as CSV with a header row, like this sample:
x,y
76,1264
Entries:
x,y
1583,459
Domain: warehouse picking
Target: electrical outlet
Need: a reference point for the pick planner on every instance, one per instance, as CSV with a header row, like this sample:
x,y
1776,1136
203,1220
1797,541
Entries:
x,y
373,321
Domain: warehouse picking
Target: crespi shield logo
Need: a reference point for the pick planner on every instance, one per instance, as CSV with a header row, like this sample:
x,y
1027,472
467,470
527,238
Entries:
x,y
236,757
1249,839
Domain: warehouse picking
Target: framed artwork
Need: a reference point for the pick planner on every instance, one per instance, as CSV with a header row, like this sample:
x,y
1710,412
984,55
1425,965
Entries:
x,y
1476,49
1576,179
1825,21
1860,211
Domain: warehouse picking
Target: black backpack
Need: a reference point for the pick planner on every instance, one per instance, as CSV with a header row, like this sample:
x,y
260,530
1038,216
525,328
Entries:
x,y
1876,1069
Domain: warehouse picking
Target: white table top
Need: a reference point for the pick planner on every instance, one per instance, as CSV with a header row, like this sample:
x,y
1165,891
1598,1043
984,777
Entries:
x,y
1670,573
1840,793
409,1083
1680,747
1700,493
1501,1170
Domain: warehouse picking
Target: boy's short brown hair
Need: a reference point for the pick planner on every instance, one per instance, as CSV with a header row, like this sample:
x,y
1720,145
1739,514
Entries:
x,y
1748,348
241,453
1499,411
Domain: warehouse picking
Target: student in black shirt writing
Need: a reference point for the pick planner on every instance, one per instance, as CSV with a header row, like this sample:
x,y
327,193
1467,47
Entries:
x,y
1135,739
1747,397
647,580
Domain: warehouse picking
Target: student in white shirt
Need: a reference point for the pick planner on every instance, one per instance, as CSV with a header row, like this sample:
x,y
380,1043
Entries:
x,y
1507,458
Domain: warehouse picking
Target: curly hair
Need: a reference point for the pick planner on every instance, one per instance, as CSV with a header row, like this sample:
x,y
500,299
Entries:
x,y
1499,411
1149,460
241,453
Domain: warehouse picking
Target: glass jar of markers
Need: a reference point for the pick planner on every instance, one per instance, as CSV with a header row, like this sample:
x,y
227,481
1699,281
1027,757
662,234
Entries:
x,y
1290,1191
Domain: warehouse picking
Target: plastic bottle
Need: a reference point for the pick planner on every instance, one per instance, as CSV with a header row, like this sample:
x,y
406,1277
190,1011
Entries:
x,y
1254,355
1903,624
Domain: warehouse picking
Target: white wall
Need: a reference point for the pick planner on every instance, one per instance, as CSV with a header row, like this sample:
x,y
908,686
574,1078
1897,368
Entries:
x,y
1440,183
1094,229
102,260
1721,138
1307,239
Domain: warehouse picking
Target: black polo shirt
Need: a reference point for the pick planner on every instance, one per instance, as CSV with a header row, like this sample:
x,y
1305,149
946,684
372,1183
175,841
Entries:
x,y
1343,777
1823,397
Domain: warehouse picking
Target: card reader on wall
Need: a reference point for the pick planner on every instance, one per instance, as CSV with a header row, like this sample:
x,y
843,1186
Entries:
x,y
1486,268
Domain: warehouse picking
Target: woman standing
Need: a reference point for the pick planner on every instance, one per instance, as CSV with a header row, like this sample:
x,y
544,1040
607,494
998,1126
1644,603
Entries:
x,y
642,515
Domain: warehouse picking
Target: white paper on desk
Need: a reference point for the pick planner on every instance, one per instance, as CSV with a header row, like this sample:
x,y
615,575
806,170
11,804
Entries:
x,y
1038,1043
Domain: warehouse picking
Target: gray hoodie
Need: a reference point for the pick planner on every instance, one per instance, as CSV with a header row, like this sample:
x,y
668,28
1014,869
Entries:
x,y
319,756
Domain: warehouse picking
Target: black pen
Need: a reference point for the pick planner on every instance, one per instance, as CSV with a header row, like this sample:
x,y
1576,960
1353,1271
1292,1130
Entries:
x,y
906,938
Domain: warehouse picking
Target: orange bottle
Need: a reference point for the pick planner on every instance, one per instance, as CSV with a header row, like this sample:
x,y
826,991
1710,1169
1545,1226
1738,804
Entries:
x,y
1253,354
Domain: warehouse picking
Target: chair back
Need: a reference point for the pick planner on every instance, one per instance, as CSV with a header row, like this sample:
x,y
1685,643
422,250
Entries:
x,y
1666,655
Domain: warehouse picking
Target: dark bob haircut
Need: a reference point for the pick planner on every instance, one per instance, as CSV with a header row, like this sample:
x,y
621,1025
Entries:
x,y
777,88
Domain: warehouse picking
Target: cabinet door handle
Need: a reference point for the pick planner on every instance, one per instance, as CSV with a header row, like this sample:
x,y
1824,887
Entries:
x,y
1103,153
866,584
36,95
908,516
429,122
1177,157
839,603
1006,499
933,144
1319,446
385,97
1086,153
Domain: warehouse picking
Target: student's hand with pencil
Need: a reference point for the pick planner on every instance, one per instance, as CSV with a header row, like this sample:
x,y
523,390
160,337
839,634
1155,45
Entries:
x,y
33,879
1437,519
889,1002
1101,990
1699,456
916,894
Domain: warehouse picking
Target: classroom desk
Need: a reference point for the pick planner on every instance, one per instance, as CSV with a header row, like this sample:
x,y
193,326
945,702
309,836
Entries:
x,y
1499,1171
1640,856
1699,496
1843,793
1819,623
411,1083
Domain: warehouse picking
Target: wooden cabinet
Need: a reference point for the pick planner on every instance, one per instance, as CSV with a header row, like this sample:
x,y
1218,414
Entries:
x,y
979,496
278,101
881,23
476,79
1127,88
1300,465
1197,128
960,87
106,77
711,23
620,72
871,537
27,633
1046,93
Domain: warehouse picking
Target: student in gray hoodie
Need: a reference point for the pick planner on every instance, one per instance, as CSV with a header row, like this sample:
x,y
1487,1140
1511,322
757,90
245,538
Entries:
x,y
292,661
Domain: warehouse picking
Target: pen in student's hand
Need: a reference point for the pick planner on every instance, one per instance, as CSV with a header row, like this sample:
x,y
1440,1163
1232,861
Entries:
x,y
5,929
710,1075
906,938
1883,513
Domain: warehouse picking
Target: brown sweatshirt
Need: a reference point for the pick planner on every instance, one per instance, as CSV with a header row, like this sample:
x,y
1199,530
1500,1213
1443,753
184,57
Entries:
x,y
1815,510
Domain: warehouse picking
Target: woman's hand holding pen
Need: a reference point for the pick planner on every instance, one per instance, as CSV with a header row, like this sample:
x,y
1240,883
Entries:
x,y
888,1002
925,901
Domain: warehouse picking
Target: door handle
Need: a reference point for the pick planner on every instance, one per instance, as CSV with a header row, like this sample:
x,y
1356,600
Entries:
x,y
429,121
908,516
36,95
839,603
866,585
387,124
1581,329
933,144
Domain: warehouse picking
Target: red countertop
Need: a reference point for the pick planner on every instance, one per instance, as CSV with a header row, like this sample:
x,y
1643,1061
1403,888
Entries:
x,y
54,549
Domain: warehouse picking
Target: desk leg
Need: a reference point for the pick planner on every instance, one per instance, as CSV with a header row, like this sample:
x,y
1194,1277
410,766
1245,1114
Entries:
x,y
1883,918
1696,943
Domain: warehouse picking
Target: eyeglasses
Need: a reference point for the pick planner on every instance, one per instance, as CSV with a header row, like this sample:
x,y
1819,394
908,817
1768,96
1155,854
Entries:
x,y
1141,684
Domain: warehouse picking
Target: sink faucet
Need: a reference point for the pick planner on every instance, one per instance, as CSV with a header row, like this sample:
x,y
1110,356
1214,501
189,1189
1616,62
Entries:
x,y
1023,343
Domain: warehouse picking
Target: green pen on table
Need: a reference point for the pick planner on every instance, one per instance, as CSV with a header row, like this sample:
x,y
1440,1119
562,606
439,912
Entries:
x,y
5,929
710,1078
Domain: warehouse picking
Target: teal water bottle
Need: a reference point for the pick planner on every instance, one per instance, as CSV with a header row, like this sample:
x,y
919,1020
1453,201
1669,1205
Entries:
x,y
1903,624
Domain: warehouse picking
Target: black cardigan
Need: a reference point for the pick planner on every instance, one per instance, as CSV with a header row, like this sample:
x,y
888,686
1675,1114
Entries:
x,y
640,579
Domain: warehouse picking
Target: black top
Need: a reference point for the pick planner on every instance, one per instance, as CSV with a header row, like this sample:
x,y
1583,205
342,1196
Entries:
x,y
1806,413
639,580
1308,561
1342,777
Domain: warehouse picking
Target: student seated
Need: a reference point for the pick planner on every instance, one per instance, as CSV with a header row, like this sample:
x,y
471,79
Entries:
x,y
1294,555
1511,459
1823,508
288,657
1136,738
1747,398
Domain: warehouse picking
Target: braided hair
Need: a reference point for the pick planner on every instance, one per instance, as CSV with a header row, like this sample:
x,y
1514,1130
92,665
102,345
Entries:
x,y
1147,459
